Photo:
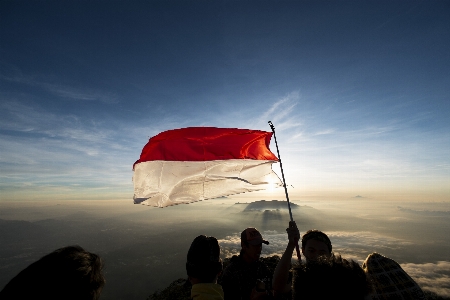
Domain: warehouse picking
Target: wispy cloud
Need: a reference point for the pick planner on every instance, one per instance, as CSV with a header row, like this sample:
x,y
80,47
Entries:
x,y
64,91
324,132
282,113
44,151
85,94
18,117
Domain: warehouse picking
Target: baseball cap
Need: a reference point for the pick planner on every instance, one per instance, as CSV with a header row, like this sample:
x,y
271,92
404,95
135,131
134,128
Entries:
x,y
252,236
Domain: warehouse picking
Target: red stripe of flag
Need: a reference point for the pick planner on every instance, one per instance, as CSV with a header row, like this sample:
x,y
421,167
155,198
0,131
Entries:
x,y
208,143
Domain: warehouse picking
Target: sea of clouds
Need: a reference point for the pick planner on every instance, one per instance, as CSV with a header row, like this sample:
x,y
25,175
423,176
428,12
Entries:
x,y
352,245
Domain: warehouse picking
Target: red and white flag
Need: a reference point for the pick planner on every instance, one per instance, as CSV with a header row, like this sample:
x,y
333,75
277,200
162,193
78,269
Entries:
x,y
198,163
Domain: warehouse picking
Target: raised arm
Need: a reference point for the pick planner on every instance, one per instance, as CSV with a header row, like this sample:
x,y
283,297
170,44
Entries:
x,y
280,278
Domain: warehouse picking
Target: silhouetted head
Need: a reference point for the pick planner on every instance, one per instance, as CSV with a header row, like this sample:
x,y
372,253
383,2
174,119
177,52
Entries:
x,y
66,273
251,244
203,259
315,243
330,278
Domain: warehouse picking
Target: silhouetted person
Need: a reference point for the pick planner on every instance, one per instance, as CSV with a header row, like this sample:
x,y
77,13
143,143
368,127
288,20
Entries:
x,y
246,276
389,280
315,243
330,278
66,273
203,267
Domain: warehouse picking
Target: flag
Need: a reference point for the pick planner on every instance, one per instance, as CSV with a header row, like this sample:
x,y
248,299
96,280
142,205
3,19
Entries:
x,y
198,163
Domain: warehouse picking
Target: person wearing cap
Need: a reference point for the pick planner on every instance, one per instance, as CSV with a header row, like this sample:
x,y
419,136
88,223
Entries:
x,y
246,276
315,244
203,267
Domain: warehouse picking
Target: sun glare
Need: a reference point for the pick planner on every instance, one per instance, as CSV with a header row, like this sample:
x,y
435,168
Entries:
x,y
272,184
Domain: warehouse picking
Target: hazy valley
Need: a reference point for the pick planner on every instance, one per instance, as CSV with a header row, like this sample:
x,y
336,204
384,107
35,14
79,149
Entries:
x,y
145,248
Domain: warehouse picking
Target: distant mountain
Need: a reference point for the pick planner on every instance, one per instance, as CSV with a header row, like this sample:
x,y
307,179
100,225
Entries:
x,y
263,205
433,213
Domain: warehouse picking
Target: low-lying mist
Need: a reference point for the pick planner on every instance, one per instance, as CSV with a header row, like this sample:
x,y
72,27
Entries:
x,y
145,248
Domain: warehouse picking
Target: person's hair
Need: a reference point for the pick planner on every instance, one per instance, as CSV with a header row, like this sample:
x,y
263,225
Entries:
x,y
314,234
330,278
66,273
203,259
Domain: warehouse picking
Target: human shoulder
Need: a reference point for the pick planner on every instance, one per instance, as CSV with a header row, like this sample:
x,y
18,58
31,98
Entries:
x,y
234,264
207,291
235,259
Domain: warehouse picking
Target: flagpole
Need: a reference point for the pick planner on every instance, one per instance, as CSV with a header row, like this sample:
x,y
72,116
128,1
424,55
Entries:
x,y
284,184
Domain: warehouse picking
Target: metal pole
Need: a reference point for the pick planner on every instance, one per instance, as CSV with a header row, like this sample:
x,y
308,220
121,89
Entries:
x,y
284,184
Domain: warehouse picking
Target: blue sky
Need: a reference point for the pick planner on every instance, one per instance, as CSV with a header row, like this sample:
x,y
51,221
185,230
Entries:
x,y
359,91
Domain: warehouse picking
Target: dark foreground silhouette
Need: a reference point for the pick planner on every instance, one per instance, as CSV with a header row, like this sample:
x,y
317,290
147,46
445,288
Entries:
x,y
180,289
67,273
